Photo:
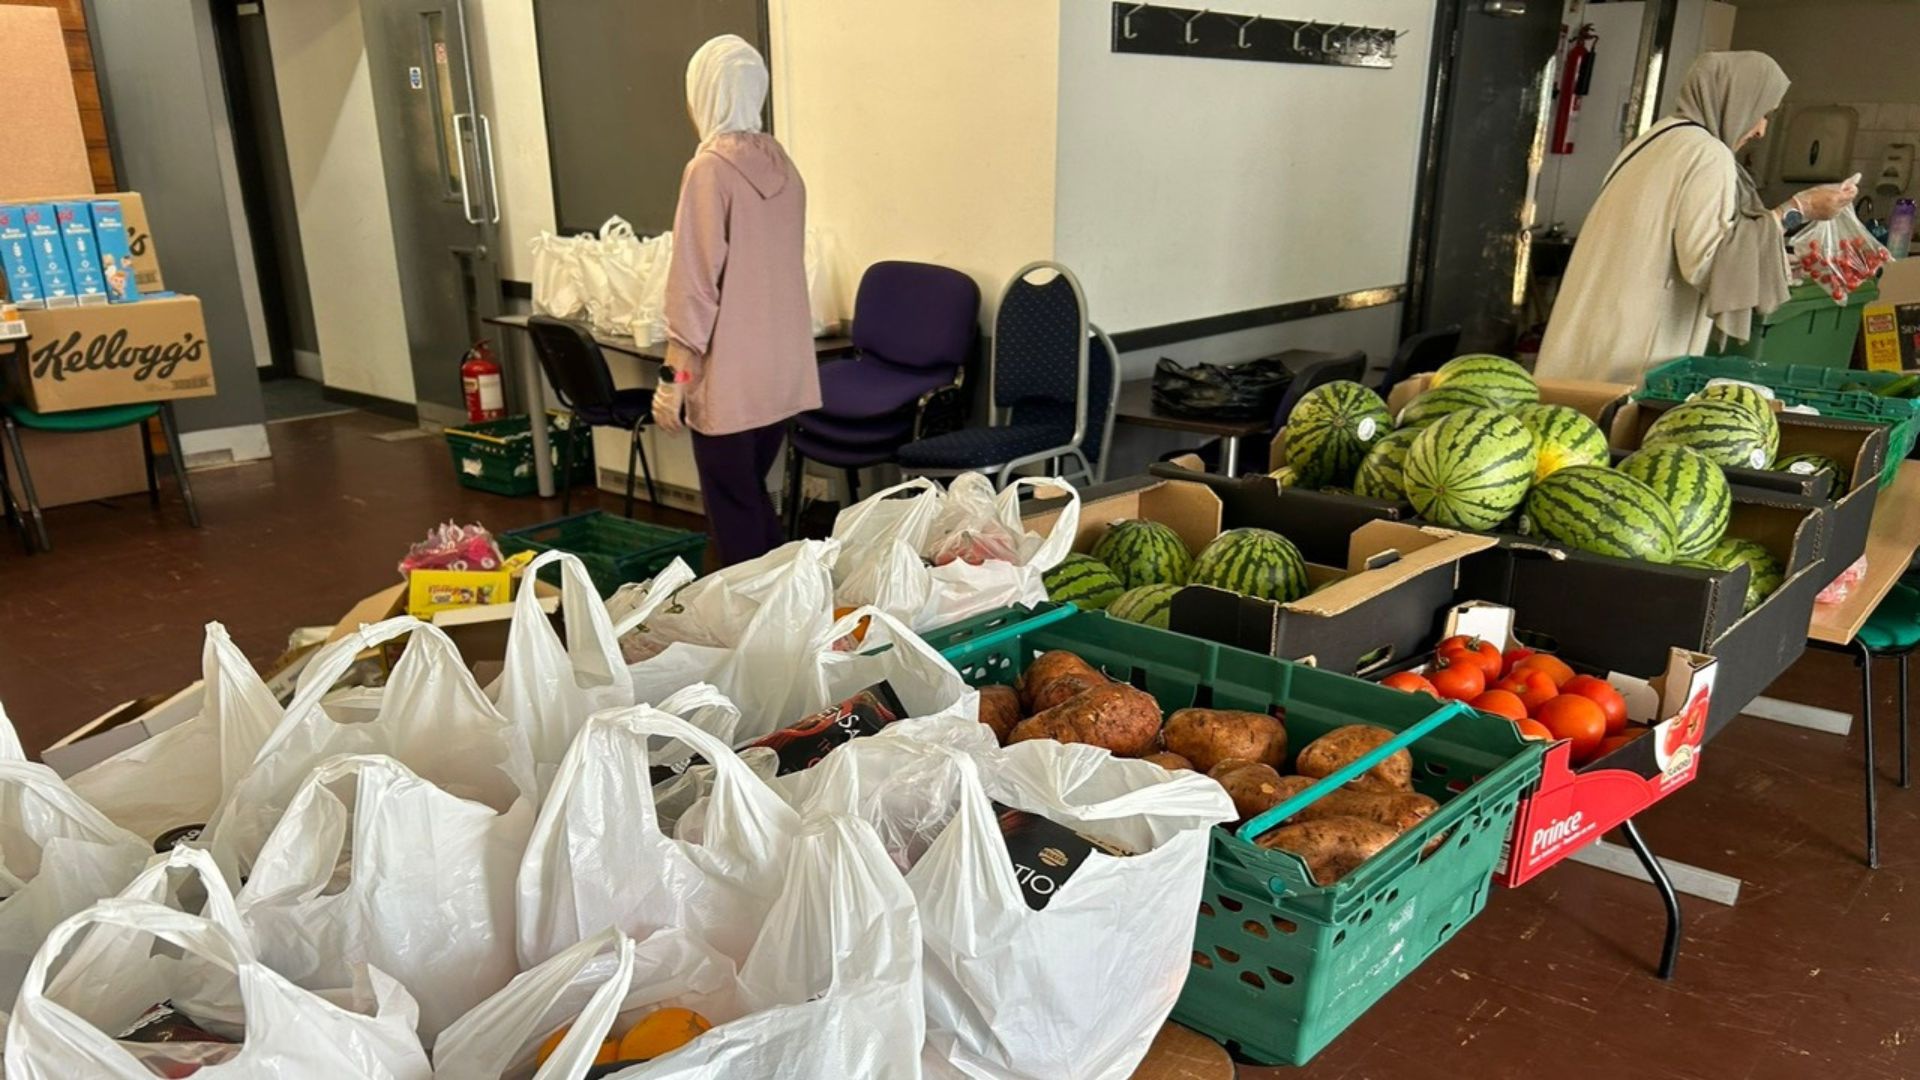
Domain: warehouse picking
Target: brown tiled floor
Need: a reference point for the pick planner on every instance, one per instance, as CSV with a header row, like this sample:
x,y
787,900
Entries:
x,y
1815,974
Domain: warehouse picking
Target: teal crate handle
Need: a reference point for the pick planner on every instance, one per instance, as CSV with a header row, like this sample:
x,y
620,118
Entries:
x,y
1011,631
1260,823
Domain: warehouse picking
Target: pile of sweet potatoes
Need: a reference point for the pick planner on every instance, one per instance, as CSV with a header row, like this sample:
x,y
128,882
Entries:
x,y
1062,697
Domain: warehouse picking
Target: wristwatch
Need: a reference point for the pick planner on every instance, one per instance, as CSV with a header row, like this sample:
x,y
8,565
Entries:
x,y
1792,220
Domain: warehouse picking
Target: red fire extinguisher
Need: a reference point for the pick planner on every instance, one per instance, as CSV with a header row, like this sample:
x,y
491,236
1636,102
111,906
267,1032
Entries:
x,y
480,381
1576,79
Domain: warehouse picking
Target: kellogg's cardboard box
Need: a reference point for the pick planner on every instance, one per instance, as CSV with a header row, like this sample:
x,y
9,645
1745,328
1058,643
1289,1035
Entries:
x,y
121,354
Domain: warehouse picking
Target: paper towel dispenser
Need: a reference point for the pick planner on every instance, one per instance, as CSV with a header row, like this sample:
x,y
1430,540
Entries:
x,y
1819,145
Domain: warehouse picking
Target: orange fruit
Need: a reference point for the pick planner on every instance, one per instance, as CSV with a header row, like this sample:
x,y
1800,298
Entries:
x,y
859,630
661,1032
1552,665
609,1050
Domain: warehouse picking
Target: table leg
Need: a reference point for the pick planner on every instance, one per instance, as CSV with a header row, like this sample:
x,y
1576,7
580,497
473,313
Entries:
x,y
1866,731
533,389
1230,455
1670,949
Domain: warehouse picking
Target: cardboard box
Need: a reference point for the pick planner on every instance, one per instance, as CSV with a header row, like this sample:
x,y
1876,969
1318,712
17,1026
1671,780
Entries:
x,y
1890,326
46,147
75,220
122,354
113,235
1574,806
480,632
49,255
16,258
81,466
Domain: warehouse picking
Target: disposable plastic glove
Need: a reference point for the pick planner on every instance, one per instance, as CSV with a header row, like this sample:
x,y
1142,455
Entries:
x,y
1828,201
668,401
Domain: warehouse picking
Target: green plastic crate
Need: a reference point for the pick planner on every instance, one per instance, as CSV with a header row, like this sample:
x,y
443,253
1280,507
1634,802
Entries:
x,y
616,550
1836,392
1808,329
1281,966
497,455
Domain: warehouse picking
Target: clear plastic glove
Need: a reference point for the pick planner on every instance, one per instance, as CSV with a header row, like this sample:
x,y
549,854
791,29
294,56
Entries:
x,y
1828,201
668,401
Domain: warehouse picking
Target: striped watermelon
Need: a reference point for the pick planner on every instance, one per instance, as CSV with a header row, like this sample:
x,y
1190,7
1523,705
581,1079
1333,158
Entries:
x,y
1383,474
1470,470
1692,487
1729,433
1253,562
1083,581
1144,553
1285,477
1148,605
1331,429
1564,436
1441,401
1596,509
1767,572
1495,376
1746,395
1809,464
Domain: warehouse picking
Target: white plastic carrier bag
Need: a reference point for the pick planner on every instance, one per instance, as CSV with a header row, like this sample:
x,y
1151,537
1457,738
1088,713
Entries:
x,y
104,970
178,777
58,855
433,719
548,686
598,857
557,286
374,865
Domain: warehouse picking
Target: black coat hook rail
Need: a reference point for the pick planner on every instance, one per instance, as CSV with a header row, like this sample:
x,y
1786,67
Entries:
x,y
1151,29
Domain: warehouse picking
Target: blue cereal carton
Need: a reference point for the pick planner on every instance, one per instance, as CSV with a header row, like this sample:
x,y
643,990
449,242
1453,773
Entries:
x,y
16,257
116,261
83,256
49,255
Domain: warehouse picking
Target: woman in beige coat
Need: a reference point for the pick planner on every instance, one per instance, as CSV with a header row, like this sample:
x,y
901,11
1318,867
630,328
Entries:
x,y
1679,242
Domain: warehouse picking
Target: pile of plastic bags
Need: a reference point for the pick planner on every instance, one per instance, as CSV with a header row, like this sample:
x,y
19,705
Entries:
x,y
436,878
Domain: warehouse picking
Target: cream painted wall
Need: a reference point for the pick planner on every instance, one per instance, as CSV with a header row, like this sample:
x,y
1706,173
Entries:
x,y
506,69
918,141
333,155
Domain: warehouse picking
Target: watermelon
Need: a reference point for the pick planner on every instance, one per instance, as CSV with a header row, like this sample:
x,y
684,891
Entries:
x,y
1767,573
1692,487
1809,464
1495,376
1729,433
1471,469
1253,562
1600,510
1331,429
1285,477
1144,553
1440,401
1083,581
1148,605
1382,474
1564,436
1746,395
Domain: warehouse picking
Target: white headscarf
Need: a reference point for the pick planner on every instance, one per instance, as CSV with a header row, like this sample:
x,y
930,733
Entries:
x,y
726,87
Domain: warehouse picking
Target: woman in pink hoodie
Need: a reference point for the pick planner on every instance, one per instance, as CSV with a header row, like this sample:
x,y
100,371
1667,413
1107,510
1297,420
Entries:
x,y
740,360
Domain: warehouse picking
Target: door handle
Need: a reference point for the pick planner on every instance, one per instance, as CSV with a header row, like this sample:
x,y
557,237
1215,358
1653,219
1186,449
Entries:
x,y
460,160
486,164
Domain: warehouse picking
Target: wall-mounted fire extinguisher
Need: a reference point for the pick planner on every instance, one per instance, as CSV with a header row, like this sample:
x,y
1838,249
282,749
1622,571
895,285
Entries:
x,y
480,382
1576,80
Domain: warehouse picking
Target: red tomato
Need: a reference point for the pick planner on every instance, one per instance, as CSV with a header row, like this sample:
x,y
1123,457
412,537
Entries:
x,y
1601,693
1512,657
1533,729
1410,683
1578,720
1484,653
1501,703
1615,742
1461,681
1552,665
1536,689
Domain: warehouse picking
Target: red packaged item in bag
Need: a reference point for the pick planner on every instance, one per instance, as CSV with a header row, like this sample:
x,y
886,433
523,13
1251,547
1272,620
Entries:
x,y
802,745
975,547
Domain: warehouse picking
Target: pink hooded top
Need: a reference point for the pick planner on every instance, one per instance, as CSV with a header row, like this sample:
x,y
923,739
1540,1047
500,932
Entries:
x,y
737,286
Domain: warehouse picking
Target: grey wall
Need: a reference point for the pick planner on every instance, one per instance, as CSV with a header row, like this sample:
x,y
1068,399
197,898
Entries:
x,y
166,111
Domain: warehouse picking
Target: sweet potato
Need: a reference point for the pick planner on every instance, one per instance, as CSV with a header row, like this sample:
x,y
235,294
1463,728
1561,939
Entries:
x,y
1255,787
1045,669
1207,737
1064,688
1114,715
1326,754
1332,847
999,710
1397,810
1170,761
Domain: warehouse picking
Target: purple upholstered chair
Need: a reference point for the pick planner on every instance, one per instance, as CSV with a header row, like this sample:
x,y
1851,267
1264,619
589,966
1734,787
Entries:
x,y
915,326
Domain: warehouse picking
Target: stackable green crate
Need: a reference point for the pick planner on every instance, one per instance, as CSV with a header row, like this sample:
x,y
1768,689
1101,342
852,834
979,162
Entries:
x,y
497,455
1842,393
616,550
1809,329
1281,966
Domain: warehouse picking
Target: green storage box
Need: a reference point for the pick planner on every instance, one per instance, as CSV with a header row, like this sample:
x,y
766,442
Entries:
x,y
616,550
1281,965
1808,329
497,455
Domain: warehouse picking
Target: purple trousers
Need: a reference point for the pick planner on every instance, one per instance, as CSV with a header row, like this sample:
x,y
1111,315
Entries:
x,y
741,517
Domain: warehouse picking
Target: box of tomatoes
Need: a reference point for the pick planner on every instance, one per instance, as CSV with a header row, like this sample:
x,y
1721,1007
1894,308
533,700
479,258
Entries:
x,y
1620,742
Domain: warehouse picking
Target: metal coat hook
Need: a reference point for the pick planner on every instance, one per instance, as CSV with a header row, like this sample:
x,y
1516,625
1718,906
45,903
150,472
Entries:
x,y
1393,42
1325,36
1242,42
1126,22
1334,43
1189,21
1301,29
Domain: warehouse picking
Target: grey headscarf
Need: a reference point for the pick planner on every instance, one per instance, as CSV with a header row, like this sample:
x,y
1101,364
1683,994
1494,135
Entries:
x,y
1728,93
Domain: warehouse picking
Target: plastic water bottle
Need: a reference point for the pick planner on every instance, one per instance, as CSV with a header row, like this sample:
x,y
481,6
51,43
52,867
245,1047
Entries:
x,y
1900,229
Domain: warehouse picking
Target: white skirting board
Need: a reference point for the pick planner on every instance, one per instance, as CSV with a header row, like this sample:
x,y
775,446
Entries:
x,y
1828,721
216,447
1690,880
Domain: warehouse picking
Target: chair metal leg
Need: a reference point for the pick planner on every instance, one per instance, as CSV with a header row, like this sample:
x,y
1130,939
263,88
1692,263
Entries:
x,y
646,474
633,454
853,485
796,482
1866,731
14,518
1906,763
179,459
566,467
1670,950
26,486
153,479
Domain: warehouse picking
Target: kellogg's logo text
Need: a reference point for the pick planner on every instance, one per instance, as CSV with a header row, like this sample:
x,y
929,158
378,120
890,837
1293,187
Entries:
x,y
111,352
